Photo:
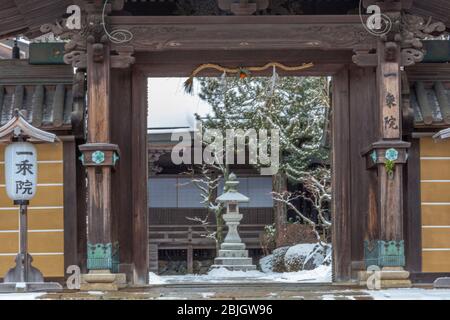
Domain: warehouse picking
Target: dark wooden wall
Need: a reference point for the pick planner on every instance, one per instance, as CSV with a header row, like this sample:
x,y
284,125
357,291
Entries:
x,y
355,127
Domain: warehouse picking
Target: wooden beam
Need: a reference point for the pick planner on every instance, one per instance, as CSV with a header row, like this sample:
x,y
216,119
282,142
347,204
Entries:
x,y
244,33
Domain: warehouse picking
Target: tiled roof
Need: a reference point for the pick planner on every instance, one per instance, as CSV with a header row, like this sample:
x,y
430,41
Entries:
x,y
45,105
430,102
44,92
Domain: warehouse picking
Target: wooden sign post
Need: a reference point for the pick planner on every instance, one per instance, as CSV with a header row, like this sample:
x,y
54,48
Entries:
x,y
388,156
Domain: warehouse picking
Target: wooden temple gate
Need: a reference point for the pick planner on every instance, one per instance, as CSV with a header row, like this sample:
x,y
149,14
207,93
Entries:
x,y
368,148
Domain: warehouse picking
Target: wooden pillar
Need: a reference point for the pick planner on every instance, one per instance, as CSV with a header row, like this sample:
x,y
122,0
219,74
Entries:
x,y
190,259
120,115
99,156
341,183
70,203
139,176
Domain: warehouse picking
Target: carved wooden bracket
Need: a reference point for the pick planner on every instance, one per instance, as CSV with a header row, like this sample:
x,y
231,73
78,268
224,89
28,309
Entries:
x,y
79,98
414,30
363,58
77,59
407,31
124,58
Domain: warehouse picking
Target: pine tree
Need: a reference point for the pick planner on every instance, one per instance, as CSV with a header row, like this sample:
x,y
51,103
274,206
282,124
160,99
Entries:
x,y
298,107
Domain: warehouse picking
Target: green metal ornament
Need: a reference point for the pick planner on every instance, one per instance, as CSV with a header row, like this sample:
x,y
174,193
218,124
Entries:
x,y
115,158
391,154
98,157
384,253
373,156
103,256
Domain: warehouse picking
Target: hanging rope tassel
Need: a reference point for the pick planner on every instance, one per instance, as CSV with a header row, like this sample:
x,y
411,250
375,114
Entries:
x,y
223,82
273,81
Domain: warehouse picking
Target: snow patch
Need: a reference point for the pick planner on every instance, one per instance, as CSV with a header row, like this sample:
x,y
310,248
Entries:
x,y
321,274
225,273
21,296
155,279
410,294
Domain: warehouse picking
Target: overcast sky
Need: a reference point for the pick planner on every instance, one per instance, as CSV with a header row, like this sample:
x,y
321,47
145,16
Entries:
x,y
170,106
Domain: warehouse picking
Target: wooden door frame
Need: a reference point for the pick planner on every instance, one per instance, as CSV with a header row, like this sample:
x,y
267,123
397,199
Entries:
x,y
334,63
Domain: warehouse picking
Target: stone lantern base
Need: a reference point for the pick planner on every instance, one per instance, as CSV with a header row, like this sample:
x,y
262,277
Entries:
x,y
233,257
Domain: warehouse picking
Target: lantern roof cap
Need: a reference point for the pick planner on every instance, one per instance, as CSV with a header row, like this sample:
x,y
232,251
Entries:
x,y
18,127
442,135
232,194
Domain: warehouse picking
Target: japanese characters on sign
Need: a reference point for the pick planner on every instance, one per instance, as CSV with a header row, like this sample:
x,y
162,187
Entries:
x,y
390,98
20,171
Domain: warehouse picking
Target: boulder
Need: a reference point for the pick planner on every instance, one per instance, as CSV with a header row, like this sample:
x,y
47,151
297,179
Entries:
x,y
278,259
306,256
266,264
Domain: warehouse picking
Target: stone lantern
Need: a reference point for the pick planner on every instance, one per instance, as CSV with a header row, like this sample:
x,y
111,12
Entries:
x,y
232,253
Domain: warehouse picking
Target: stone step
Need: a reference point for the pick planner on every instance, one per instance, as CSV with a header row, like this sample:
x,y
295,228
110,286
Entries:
x,y
388,284
232,261
233,253
248,267
385,274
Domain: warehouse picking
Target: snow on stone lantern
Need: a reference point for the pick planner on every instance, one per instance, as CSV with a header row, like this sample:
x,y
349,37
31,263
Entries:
x,y
21,172
232,253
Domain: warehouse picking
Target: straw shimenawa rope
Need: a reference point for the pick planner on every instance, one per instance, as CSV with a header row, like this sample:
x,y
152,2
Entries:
x,y
243,72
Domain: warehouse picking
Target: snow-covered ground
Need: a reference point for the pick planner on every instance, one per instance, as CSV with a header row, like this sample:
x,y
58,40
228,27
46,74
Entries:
x,y
20,296
322,274
410,294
